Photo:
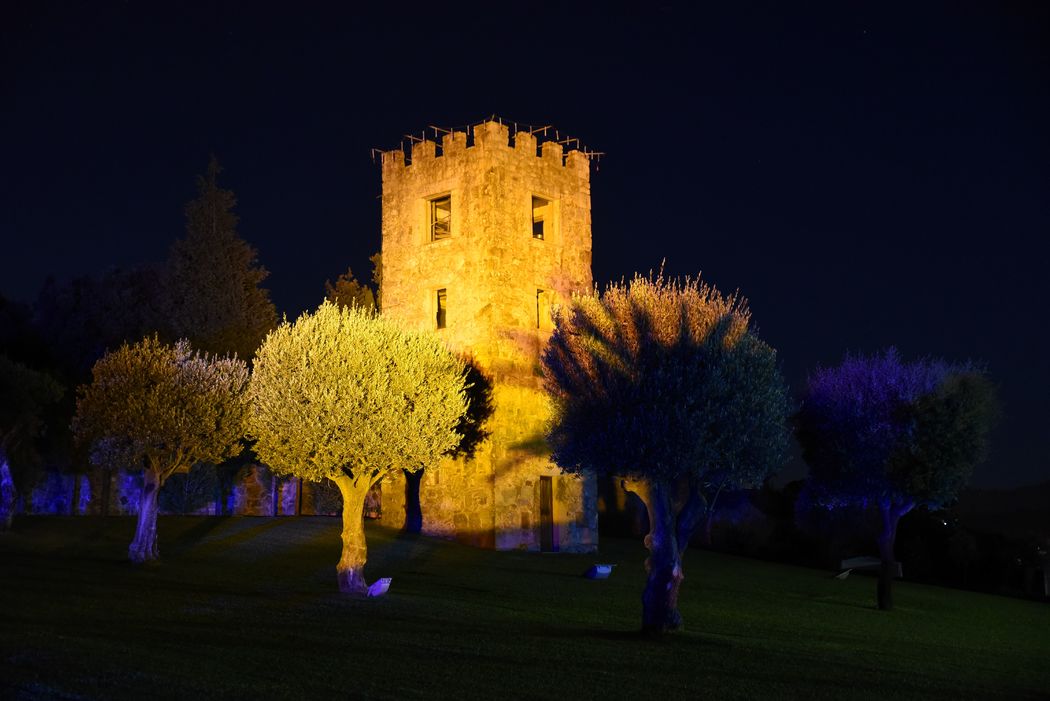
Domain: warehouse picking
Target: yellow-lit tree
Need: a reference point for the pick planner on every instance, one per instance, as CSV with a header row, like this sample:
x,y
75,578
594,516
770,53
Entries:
x,y
345,395
161,409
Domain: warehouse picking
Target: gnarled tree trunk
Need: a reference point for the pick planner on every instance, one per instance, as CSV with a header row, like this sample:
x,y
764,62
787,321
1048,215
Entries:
x,y
660,597
144,547
350,571
696,510
891,516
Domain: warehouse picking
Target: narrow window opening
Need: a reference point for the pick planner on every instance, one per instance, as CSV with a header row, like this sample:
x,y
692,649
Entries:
x,y
441,308
440,218
539,308
540,217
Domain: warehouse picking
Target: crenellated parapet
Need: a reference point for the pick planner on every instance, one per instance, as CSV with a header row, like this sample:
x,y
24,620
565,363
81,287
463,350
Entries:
x,y
456,148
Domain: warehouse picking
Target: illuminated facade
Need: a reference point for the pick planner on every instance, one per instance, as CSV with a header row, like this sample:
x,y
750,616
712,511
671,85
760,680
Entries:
x,y
480,239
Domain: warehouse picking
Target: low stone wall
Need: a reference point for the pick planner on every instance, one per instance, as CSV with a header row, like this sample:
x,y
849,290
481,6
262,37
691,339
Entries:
x,y
57,492
252,491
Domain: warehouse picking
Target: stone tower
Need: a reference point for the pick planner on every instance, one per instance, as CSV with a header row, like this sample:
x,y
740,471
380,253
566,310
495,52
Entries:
x,y
480,241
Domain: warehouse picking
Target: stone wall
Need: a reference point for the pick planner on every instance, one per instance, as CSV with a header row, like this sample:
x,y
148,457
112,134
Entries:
x,y
501,283
254,492
55,493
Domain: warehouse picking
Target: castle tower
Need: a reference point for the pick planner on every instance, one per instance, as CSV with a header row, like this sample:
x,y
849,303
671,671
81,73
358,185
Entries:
x,y
479,242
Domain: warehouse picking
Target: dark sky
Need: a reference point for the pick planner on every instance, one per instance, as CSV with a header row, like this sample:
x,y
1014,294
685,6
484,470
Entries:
x,y
866,175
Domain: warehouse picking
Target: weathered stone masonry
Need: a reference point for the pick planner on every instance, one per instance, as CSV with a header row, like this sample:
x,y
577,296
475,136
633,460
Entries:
x,y
497,272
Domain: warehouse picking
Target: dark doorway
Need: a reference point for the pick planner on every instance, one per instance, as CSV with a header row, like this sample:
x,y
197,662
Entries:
x,y
546,514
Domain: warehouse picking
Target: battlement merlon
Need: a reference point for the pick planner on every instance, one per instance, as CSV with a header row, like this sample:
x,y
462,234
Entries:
x,y
579,162
453,143
393,162
424,151
491,135
525,143
551,151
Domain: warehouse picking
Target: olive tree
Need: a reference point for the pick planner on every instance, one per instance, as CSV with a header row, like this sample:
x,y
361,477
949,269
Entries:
x,y
162,409
880,431
663,384
346,395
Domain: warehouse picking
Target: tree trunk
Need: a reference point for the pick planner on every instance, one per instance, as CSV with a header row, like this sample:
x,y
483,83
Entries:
x,y
106,487
74,506
144,546
705,535
696,509
413,508
660,597
225,492
350,572
275,508
7,495
891,515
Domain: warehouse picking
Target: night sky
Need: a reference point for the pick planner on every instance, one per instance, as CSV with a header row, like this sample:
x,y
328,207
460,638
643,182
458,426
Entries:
x,y
865,176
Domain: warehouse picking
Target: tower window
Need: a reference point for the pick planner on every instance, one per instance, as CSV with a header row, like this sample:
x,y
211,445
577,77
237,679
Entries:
x,y
541,303
441,308
440,217
540,216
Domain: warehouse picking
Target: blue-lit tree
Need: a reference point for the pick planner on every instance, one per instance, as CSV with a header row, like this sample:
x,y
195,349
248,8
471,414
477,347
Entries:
x,y
878,431
662,384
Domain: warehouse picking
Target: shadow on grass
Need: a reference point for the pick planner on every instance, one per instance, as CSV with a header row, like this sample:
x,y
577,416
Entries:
x,y
638,636
240,531
839,602
195,534
413,552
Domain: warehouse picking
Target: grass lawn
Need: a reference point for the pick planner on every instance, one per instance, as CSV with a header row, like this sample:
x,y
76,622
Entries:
x,y
246,607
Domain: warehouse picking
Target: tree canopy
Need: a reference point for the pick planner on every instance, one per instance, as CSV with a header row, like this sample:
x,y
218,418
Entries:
x,y
160,408
877,430
662,379
26,395
80,319
215,298
346,395
347,291
662,382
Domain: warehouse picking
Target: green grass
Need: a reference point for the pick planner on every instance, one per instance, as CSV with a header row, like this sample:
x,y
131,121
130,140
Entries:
x,y
247,608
